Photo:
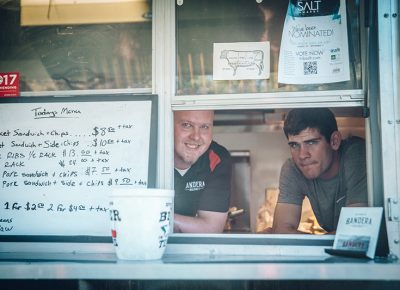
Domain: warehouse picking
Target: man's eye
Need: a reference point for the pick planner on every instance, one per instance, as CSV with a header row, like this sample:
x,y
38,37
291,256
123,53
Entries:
x,y
312,142
204,127
294,145
186,125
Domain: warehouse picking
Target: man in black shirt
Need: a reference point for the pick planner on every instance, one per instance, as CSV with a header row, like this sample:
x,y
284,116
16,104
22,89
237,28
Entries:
x,y
202,175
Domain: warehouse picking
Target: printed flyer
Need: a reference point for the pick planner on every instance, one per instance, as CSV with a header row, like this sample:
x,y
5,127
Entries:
x,y
241,61
314,46
9,84
358,229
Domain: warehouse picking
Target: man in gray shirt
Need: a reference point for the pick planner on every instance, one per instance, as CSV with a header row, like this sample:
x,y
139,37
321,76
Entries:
x,y
330,171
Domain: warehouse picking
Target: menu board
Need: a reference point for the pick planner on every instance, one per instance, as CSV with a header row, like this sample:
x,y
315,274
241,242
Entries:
x,y
61,157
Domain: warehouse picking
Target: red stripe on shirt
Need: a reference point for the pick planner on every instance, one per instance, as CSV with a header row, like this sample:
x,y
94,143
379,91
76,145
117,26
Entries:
x,y
214,160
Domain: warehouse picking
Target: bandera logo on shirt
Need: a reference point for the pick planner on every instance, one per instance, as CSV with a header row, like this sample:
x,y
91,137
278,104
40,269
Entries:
x,y
195,185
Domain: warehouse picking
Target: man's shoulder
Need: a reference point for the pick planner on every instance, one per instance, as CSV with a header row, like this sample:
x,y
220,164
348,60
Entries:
x,y
216,154
218,149
353,154
293,186
354,140
290,170
289,164
354,144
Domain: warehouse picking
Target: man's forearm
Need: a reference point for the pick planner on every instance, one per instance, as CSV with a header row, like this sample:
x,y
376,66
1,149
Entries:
x,y
199,223
187,224
286,230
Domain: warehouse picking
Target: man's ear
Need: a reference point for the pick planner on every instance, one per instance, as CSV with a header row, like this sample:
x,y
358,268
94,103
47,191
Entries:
x,y
336,139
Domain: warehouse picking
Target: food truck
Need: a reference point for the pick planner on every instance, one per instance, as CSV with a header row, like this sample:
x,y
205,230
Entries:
x,y
87,95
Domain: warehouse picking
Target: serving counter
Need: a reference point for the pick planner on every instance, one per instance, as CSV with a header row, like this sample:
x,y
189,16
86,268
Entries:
x,y
201,268
207,257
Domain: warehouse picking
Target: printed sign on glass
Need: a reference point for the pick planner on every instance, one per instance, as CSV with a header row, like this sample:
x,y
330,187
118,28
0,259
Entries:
x,y
241,61
314,46
9,84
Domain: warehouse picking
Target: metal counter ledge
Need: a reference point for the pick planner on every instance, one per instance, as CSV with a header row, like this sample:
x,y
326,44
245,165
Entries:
x,y
191,257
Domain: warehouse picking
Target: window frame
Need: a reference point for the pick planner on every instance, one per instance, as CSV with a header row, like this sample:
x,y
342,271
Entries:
x,y
163,84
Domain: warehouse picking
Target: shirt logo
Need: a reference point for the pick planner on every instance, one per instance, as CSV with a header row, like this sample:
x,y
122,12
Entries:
x,y
195,185
340,199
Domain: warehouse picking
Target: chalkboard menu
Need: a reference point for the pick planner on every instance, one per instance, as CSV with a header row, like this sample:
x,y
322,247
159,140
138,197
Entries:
x,y
60,158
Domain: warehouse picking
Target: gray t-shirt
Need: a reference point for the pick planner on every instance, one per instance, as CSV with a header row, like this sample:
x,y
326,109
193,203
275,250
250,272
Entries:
x,y
327,197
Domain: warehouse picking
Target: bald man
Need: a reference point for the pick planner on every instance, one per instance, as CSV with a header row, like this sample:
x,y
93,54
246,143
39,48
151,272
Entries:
x,y
202,175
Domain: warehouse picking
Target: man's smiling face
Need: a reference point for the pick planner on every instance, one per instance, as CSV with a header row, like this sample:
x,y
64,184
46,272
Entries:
x,y
193,132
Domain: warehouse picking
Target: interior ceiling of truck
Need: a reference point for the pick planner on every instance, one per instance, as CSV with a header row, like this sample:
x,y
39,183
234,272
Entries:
x,y
276,116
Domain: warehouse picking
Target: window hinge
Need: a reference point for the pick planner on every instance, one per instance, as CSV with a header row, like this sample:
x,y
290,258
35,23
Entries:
x,y
393,210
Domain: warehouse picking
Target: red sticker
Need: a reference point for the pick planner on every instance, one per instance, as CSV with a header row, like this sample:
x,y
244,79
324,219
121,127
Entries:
x,y
9,84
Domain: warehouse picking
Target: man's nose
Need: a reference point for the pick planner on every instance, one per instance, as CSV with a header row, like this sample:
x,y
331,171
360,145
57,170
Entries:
x,y
195,135
304,152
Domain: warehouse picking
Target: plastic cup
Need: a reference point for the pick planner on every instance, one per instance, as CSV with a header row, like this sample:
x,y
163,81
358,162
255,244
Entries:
x,y
140,222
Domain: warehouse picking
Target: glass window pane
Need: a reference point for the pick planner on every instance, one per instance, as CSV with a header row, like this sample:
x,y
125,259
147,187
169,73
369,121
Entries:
x,y
201,23
259,148
79,54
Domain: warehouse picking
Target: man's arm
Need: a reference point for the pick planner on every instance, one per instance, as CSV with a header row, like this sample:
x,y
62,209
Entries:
x,y
287,214
204,222
357,204
287,219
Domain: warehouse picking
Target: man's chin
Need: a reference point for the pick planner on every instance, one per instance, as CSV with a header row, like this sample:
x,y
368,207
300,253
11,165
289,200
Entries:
x,y
192,157
309,175
191,161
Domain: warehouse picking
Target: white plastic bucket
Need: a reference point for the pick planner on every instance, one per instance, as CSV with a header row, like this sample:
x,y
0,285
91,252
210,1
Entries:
x,y
140,222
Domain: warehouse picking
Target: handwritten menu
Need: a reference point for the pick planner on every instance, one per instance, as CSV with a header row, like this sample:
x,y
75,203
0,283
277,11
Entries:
x,y
59,162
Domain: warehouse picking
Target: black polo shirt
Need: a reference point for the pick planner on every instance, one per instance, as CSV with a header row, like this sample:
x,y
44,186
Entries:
x,y
206,185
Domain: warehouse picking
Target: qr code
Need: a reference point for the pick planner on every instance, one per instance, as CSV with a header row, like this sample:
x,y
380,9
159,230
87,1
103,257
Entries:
x,y
310,68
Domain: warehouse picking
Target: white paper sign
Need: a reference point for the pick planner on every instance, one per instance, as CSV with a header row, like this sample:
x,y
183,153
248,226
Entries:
x,y
314,46
61,160
358,229
241,61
